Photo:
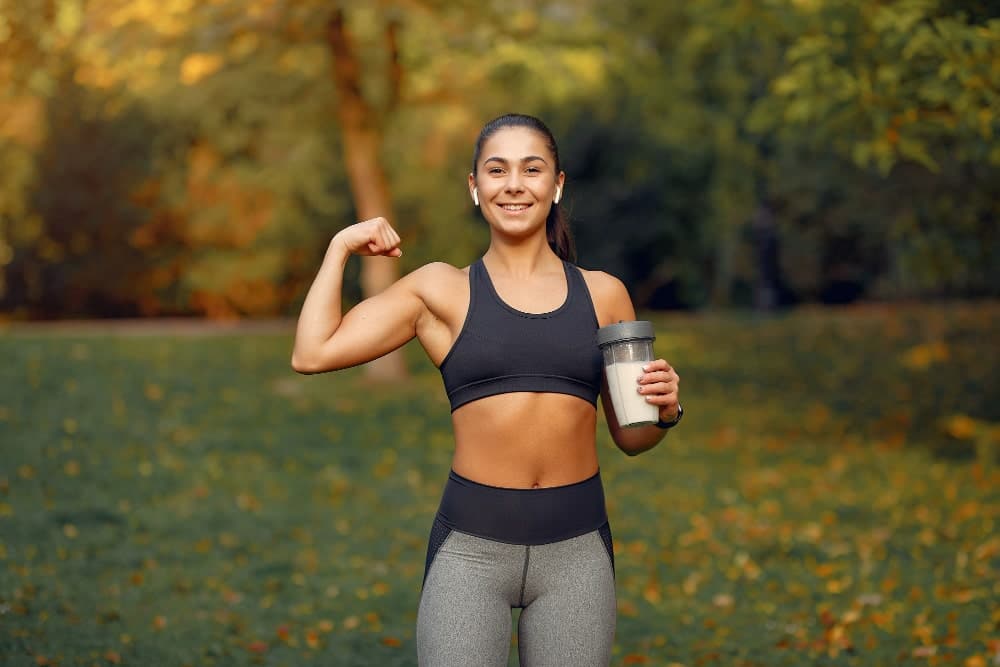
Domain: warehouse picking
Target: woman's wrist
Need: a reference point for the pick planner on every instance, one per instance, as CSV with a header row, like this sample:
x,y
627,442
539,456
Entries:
x,y
670,420
337,249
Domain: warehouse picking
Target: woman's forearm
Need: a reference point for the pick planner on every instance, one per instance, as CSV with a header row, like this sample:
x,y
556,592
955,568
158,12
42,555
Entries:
x,y
322,309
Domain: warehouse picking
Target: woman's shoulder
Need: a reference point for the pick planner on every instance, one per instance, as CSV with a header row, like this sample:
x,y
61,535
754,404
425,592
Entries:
x,y
435,276
609,295
602,283
438,271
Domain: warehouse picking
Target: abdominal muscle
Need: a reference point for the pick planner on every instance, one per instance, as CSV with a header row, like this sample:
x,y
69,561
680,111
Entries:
x,y
525,440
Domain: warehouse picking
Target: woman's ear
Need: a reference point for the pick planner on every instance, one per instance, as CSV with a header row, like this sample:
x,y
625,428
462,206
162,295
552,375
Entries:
x,y
473,188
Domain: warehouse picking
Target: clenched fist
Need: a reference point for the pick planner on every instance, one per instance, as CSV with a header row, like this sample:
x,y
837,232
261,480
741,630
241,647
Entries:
x,y
370,237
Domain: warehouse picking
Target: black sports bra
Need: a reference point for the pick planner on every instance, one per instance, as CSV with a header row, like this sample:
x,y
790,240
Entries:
x,y
501,349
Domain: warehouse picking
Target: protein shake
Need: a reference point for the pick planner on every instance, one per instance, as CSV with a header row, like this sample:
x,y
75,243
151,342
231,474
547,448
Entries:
x,y
627,347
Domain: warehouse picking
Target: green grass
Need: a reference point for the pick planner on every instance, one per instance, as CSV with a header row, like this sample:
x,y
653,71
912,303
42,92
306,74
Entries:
x,y
831,498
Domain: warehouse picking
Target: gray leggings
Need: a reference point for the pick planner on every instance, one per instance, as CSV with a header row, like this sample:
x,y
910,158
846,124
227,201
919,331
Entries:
x,y
565,589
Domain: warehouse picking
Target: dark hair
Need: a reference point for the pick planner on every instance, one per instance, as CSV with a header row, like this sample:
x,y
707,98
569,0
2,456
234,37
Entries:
x,y
556,224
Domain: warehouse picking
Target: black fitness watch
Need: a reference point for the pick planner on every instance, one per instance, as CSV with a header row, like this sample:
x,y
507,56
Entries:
x,y
676,420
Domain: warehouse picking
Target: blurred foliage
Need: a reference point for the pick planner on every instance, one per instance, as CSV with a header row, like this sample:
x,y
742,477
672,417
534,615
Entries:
x,y
831,498
175,157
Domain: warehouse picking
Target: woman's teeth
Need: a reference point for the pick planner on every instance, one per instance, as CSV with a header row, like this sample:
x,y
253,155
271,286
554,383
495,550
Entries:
x,y
514,207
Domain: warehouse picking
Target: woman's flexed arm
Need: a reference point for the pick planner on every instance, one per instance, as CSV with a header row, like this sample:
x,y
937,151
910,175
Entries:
x,y
325,340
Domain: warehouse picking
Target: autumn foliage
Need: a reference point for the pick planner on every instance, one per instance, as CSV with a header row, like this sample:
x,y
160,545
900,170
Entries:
x,y
831,498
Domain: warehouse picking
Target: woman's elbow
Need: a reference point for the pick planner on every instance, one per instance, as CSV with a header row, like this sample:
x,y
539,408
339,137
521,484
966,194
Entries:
x,y
633,451
634,448
309,364
321,361
300,366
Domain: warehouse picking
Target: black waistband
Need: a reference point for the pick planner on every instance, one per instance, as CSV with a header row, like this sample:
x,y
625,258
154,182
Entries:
x,y
523,516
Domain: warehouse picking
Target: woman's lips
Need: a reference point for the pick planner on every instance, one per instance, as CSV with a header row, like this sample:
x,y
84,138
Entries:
x,y
514,208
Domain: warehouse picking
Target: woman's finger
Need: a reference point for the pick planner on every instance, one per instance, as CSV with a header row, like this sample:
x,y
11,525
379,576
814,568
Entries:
x,y
659,376
658,365
658,388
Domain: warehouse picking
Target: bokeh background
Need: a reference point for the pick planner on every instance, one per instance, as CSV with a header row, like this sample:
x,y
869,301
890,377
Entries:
x,y
801,194
193,158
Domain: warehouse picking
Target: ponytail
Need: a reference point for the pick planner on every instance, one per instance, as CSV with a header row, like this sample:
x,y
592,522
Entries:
x,y
557,232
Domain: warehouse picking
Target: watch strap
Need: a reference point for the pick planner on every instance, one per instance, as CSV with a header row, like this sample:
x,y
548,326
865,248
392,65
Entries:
x,y
676,420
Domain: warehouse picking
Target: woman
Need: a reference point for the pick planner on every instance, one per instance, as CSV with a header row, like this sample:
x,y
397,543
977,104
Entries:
x,y
522,520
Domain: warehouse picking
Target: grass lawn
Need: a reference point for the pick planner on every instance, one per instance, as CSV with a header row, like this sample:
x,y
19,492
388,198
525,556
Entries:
x,y
830,499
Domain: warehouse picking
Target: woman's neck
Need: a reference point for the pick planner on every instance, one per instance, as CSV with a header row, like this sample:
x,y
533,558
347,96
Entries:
x,y
522,259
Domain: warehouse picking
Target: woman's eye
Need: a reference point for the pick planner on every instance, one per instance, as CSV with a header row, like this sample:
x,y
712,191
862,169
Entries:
x,y
533,170
496,170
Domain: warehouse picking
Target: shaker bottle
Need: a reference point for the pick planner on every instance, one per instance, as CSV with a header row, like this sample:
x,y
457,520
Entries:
x,y
627,347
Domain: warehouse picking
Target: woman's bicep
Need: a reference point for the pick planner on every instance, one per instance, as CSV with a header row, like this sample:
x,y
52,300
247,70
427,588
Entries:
x,y
376,326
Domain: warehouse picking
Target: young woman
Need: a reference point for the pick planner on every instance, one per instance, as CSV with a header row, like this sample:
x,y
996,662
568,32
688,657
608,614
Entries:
x,y
522,521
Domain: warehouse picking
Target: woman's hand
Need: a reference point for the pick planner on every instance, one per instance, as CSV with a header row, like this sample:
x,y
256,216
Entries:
x,y
660,384
370,237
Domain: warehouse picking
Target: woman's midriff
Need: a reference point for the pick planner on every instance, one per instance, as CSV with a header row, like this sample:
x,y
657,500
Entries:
x,y
525,440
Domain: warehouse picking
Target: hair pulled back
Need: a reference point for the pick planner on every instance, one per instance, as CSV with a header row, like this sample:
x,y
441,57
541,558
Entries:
x,y
556,224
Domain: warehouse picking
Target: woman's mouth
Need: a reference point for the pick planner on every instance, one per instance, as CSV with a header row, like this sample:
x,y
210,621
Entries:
x,y
514,208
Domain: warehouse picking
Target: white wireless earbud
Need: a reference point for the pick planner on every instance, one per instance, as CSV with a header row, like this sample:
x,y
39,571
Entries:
x,y
558,195
475,196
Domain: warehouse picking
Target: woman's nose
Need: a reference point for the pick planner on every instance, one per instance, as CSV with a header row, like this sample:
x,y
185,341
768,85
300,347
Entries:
x,y
513,183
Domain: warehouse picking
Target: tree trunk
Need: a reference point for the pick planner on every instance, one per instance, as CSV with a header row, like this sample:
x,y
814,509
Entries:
x,y
766,287
362,156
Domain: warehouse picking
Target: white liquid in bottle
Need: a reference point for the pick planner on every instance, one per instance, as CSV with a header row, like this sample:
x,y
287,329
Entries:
x,y
631,408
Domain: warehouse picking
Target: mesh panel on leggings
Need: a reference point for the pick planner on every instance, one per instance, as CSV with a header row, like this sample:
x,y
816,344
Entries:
x,y
439,533
605,532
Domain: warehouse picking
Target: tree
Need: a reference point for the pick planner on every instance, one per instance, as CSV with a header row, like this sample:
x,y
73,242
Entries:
x,y
362,140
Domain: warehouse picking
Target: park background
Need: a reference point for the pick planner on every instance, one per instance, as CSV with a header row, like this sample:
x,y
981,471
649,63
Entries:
x,y
799,193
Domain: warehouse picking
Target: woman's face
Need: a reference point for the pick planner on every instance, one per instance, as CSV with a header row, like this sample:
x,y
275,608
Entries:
x,y
516,181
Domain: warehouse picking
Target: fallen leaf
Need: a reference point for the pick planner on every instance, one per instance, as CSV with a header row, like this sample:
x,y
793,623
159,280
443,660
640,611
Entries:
x,y
257,646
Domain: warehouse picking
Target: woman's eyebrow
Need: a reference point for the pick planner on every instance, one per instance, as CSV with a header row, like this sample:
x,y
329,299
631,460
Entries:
x,y
529,158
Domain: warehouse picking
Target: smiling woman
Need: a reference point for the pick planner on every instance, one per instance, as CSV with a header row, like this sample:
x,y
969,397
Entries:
x,y
522,520
522,177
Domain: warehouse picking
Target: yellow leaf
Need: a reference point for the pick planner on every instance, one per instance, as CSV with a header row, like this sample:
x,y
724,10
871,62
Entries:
x,y
247,502
723,600
962,427
690,585
197,66
626,608
651,592
920,357
850,616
